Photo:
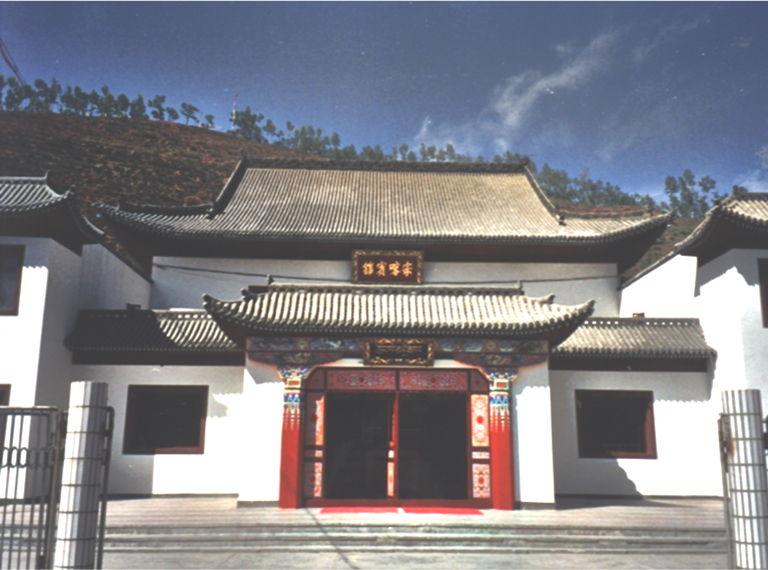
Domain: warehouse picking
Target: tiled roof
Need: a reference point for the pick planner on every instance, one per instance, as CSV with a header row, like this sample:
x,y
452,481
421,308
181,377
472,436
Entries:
x,y
148,331
28,205
397,310
637,337
382,202
740,220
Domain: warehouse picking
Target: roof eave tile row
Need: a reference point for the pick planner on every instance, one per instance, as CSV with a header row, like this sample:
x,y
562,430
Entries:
x,y
637,338
402,311
129,330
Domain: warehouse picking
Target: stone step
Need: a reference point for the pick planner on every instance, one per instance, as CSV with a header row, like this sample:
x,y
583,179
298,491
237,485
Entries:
x,y
304,530
444,539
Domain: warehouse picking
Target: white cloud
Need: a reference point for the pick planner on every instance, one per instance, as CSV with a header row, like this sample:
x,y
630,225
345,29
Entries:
x,y
664,35
763,154
753,180
513,103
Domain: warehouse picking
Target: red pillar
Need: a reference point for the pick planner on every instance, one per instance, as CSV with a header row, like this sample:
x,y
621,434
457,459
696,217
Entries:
x,y
502,478
291,444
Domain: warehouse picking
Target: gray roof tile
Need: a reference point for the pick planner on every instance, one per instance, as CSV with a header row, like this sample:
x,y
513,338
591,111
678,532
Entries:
x,y
154,331
22,199
399,310
637,337
313,200
744,213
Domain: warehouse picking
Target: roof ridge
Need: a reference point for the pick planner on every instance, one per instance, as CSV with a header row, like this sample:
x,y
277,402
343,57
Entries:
x,y
387,165
642,321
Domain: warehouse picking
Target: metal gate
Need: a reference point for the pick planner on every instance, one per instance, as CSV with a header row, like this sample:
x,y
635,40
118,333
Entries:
x,y
33,442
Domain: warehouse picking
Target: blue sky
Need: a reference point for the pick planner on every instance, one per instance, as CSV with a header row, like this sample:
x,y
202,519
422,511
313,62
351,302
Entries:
x,y
631,92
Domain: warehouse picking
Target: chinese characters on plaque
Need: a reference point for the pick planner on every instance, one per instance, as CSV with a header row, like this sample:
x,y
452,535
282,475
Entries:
x,y
396,267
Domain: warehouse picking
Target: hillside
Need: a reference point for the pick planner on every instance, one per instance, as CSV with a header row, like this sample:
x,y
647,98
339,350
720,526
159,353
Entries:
x,y
153,162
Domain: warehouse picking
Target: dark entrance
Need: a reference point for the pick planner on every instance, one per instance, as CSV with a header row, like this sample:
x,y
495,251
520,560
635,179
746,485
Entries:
x,y
358,431
432,446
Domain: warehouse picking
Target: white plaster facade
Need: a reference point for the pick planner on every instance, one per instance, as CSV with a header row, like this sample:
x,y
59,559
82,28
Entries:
x,y
180,282
688,460
243,428
724,294
213,471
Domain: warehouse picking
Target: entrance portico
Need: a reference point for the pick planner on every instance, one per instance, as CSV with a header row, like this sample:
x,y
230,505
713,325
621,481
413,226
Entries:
x,y
404,428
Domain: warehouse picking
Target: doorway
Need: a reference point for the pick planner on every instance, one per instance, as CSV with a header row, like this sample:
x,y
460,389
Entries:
x,y
432,446
423,434
358,432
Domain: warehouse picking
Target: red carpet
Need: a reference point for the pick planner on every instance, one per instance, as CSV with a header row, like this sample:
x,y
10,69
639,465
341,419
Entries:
x,y
395,510
441,511
334,510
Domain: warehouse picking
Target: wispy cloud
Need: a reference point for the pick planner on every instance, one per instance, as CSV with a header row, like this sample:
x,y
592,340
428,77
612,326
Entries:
x,y
513,103
666,34
754,180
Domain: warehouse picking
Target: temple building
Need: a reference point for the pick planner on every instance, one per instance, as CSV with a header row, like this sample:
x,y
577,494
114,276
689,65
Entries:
x,y
340,333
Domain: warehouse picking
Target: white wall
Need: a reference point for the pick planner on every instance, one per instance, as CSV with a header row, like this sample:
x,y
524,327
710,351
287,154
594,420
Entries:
x,y
260,425
183,288
215,470
728,303
20,335
724,294
688,461
667,291
108,283
532,425
61,306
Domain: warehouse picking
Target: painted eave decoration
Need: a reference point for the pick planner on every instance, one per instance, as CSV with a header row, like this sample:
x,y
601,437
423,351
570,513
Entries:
x,y
30,207
330,310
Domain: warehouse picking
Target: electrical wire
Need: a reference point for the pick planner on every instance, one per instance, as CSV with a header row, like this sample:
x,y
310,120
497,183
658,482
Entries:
x,y
337,280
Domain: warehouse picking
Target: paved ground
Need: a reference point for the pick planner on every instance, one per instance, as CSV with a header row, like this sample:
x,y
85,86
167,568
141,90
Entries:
x,y
654,514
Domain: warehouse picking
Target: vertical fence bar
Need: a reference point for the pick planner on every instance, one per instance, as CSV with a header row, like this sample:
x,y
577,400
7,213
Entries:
x,y
77,531
746,478
105,485
29,490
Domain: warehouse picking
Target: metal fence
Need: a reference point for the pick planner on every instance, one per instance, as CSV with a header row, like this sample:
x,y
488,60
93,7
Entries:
x,y
745,482
33,442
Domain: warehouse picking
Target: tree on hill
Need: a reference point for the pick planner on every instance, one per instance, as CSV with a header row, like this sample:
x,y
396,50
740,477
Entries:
x,y
689,198
156,104
189,111
246,125
138,109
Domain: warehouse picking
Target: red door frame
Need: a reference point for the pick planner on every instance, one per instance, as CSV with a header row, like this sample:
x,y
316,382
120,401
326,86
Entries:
x,y
294,466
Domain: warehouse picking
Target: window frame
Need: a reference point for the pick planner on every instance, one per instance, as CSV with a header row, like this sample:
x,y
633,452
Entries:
x,y
132,416
20,250
590,450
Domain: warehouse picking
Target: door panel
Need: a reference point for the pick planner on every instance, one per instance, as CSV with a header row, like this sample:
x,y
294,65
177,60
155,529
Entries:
x,y
432,446
357,432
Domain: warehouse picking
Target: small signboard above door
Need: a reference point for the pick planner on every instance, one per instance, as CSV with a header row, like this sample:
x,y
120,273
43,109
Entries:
x,y
391,267
399,352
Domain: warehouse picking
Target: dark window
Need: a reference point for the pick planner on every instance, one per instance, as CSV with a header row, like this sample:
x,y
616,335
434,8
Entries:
x,y
165,419
762,270
615,423
11,264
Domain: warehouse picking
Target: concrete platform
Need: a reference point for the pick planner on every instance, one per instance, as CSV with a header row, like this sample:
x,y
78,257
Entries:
x,y
581,532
